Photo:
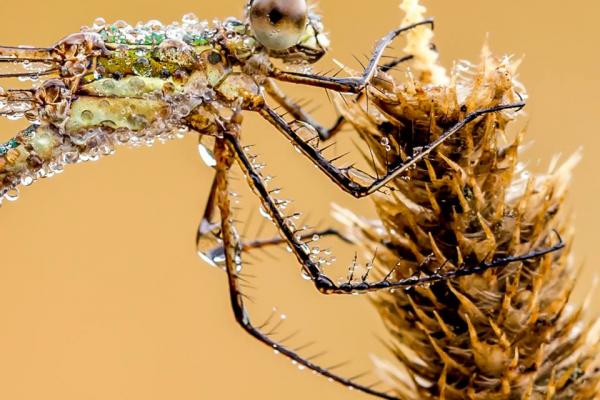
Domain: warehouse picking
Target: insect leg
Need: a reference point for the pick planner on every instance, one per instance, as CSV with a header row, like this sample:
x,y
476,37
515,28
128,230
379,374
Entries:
x,y
342,176
299,114
233,250
209,240
348,85
325,284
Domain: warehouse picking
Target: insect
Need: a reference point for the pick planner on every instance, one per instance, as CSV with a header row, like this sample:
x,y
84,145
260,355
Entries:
x,y
118,84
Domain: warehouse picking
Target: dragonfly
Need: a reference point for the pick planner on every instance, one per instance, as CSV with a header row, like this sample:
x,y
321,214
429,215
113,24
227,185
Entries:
x,y
113,84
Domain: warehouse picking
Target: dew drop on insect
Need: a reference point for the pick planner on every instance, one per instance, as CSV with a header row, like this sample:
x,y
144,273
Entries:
x,y
301,367
214,257
305,275
190,19
205,150
12,194
109,84
264,213
27,180
99,23
87,115
315,250
315,237
385,141
289,249
305,248
142,67
360,176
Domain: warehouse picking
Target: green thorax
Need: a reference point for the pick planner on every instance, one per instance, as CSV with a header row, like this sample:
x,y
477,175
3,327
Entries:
x,y
151,50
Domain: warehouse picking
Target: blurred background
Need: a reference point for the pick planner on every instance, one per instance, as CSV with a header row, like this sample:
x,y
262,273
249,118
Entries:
x,y
102,295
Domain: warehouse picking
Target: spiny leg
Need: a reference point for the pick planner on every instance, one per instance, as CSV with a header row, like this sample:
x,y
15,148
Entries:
x,y
325,284
232,253
299,114
342,176
209,242
348,85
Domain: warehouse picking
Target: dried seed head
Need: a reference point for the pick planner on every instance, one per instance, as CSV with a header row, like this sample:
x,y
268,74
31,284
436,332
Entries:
x,y
508,332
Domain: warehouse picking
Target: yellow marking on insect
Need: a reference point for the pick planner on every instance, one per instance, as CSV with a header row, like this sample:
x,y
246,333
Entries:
x,y
134,114
130,86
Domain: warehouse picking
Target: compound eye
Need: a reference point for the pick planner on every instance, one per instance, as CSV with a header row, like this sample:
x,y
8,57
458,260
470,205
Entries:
x,y
278,24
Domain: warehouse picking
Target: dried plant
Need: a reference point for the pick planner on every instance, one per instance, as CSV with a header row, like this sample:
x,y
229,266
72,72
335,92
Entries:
x,y
509,332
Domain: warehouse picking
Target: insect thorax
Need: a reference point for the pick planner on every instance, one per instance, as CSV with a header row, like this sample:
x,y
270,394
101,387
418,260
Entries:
x,y
155,77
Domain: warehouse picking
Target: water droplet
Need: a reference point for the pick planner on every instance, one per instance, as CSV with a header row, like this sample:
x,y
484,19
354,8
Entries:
x,y
87,115
385,141
305,274
137,84
99,23
360,177
315,237
109,84
264,213
142,67
27,180
190,19
12,194
315,250
205,150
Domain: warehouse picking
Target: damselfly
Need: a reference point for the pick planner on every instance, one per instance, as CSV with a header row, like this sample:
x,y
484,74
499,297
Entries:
x,y
118,84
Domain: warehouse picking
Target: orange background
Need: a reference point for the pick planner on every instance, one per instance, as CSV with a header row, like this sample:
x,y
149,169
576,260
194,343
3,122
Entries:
x,y
101,293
